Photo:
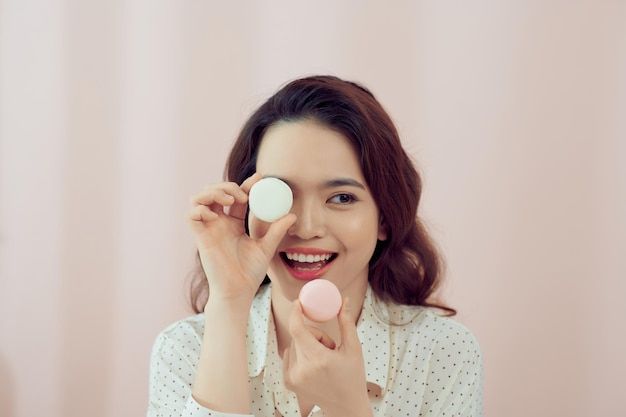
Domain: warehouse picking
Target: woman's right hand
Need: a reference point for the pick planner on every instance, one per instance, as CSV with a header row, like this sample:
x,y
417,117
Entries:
x,y
234,263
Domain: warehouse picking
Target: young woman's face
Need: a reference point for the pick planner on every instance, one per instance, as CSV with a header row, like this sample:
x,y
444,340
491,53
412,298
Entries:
x,y
338,221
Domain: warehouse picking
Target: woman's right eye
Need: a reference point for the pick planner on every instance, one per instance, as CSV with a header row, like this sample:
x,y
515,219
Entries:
x,y
342,199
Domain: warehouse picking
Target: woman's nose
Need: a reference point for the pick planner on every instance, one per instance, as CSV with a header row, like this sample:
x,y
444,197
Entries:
x,y
310,223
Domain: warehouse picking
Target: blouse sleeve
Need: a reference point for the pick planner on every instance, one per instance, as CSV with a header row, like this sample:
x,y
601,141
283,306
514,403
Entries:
x,y
454,385
172,369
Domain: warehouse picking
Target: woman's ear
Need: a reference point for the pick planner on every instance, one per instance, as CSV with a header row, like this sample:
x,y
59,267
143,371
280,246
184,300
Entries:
x,y
383,229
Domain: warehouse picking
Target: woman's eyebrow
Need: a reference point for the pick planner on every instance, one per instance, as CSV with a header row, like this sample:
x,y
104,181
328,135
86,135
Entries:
x,y
336,182
342,182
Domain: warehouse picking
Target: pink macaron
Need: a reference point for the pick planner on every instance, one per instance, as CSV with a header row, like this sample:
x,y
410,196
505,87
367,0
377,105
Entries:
x,y
320,300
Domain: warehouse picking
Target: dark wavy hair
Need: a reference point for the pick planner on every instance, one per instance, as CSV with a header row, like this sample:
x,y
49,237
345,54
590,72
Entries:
x,y
406,267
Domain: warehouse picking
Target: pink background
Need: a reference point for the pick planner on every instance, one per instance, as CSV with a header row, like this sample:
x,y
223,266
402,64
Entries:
x,y
113,113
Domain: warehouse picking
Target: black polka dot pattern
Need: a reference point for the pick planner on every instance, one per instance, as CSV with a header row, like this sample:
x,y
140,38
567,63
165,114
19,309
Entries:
x,y
417,364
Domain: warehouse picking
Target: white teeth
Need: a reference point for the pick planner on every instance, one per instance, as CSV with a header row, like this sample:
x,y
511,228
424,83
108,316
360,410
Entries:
x,y
309,258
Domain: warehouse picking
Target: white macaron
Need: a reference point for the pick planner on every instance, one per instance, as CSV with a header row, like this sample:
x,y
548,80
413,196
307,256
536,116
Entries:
x,y
270,199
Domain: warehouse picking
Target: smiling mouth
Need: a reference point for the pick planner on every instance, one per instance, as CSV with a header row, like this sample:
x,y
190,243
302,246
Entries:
x,y
307,262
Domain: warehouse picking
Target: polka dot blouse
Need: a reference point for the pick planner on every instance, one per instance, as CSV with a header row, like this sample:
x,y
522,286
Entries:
x,y
417,364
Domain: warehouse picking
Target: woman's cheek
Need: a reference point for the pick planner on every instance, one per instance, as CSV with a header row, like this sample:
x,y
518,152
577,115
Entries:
x,y
358,228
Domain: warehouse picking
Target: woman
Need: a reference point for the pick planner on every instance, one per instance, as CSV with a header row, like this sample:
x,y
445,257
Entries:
x,y
390,352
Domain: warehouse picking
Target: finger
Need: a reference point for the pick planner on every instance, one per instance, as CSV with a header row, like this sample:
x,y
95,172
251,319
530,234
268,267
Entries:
x,y
322,337
222,199
276,232
289,363
240,208
201,214
249,182
224,194
347,327
212,199
304,341
293,353
286,357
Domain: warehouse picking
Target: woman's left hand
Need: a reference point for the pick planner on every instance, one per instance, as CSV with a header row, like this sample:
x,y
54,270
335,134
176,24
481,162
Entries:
x,y
319,372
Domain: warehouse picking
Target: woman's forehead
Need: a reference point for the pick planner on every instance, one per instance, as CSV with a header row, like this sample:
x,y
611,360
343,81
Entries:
x,y
307,146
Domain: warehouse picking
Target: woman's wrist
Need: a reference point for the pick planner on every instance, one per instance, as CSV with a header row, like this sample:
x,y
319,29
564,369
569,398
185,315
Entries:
x,y
221,381
234,303
230,310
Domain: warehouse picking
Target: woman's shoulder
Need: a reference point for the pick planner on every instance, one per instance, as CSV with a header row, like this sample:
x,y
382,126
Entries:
x,y
425,325
447,331
426,334
439,323
187,332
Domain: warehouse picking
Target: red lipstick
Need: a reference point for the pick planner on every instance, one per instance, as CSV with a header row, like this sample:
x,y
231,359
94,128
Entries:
x,y
306,264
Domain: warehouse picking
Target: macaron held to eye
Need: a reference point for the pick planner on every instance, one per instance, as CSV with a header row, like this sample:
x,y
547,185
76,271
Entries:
x,y
270,199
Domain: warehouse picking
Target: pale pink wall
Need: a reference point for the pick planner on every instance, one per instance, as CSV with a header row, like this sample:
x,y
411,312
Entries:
x,y
113,113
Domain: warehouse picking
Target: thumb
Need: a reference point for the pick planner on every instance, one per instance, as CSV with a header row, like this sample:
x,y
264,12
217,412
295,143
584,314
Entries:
x,y
347,327
276,232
